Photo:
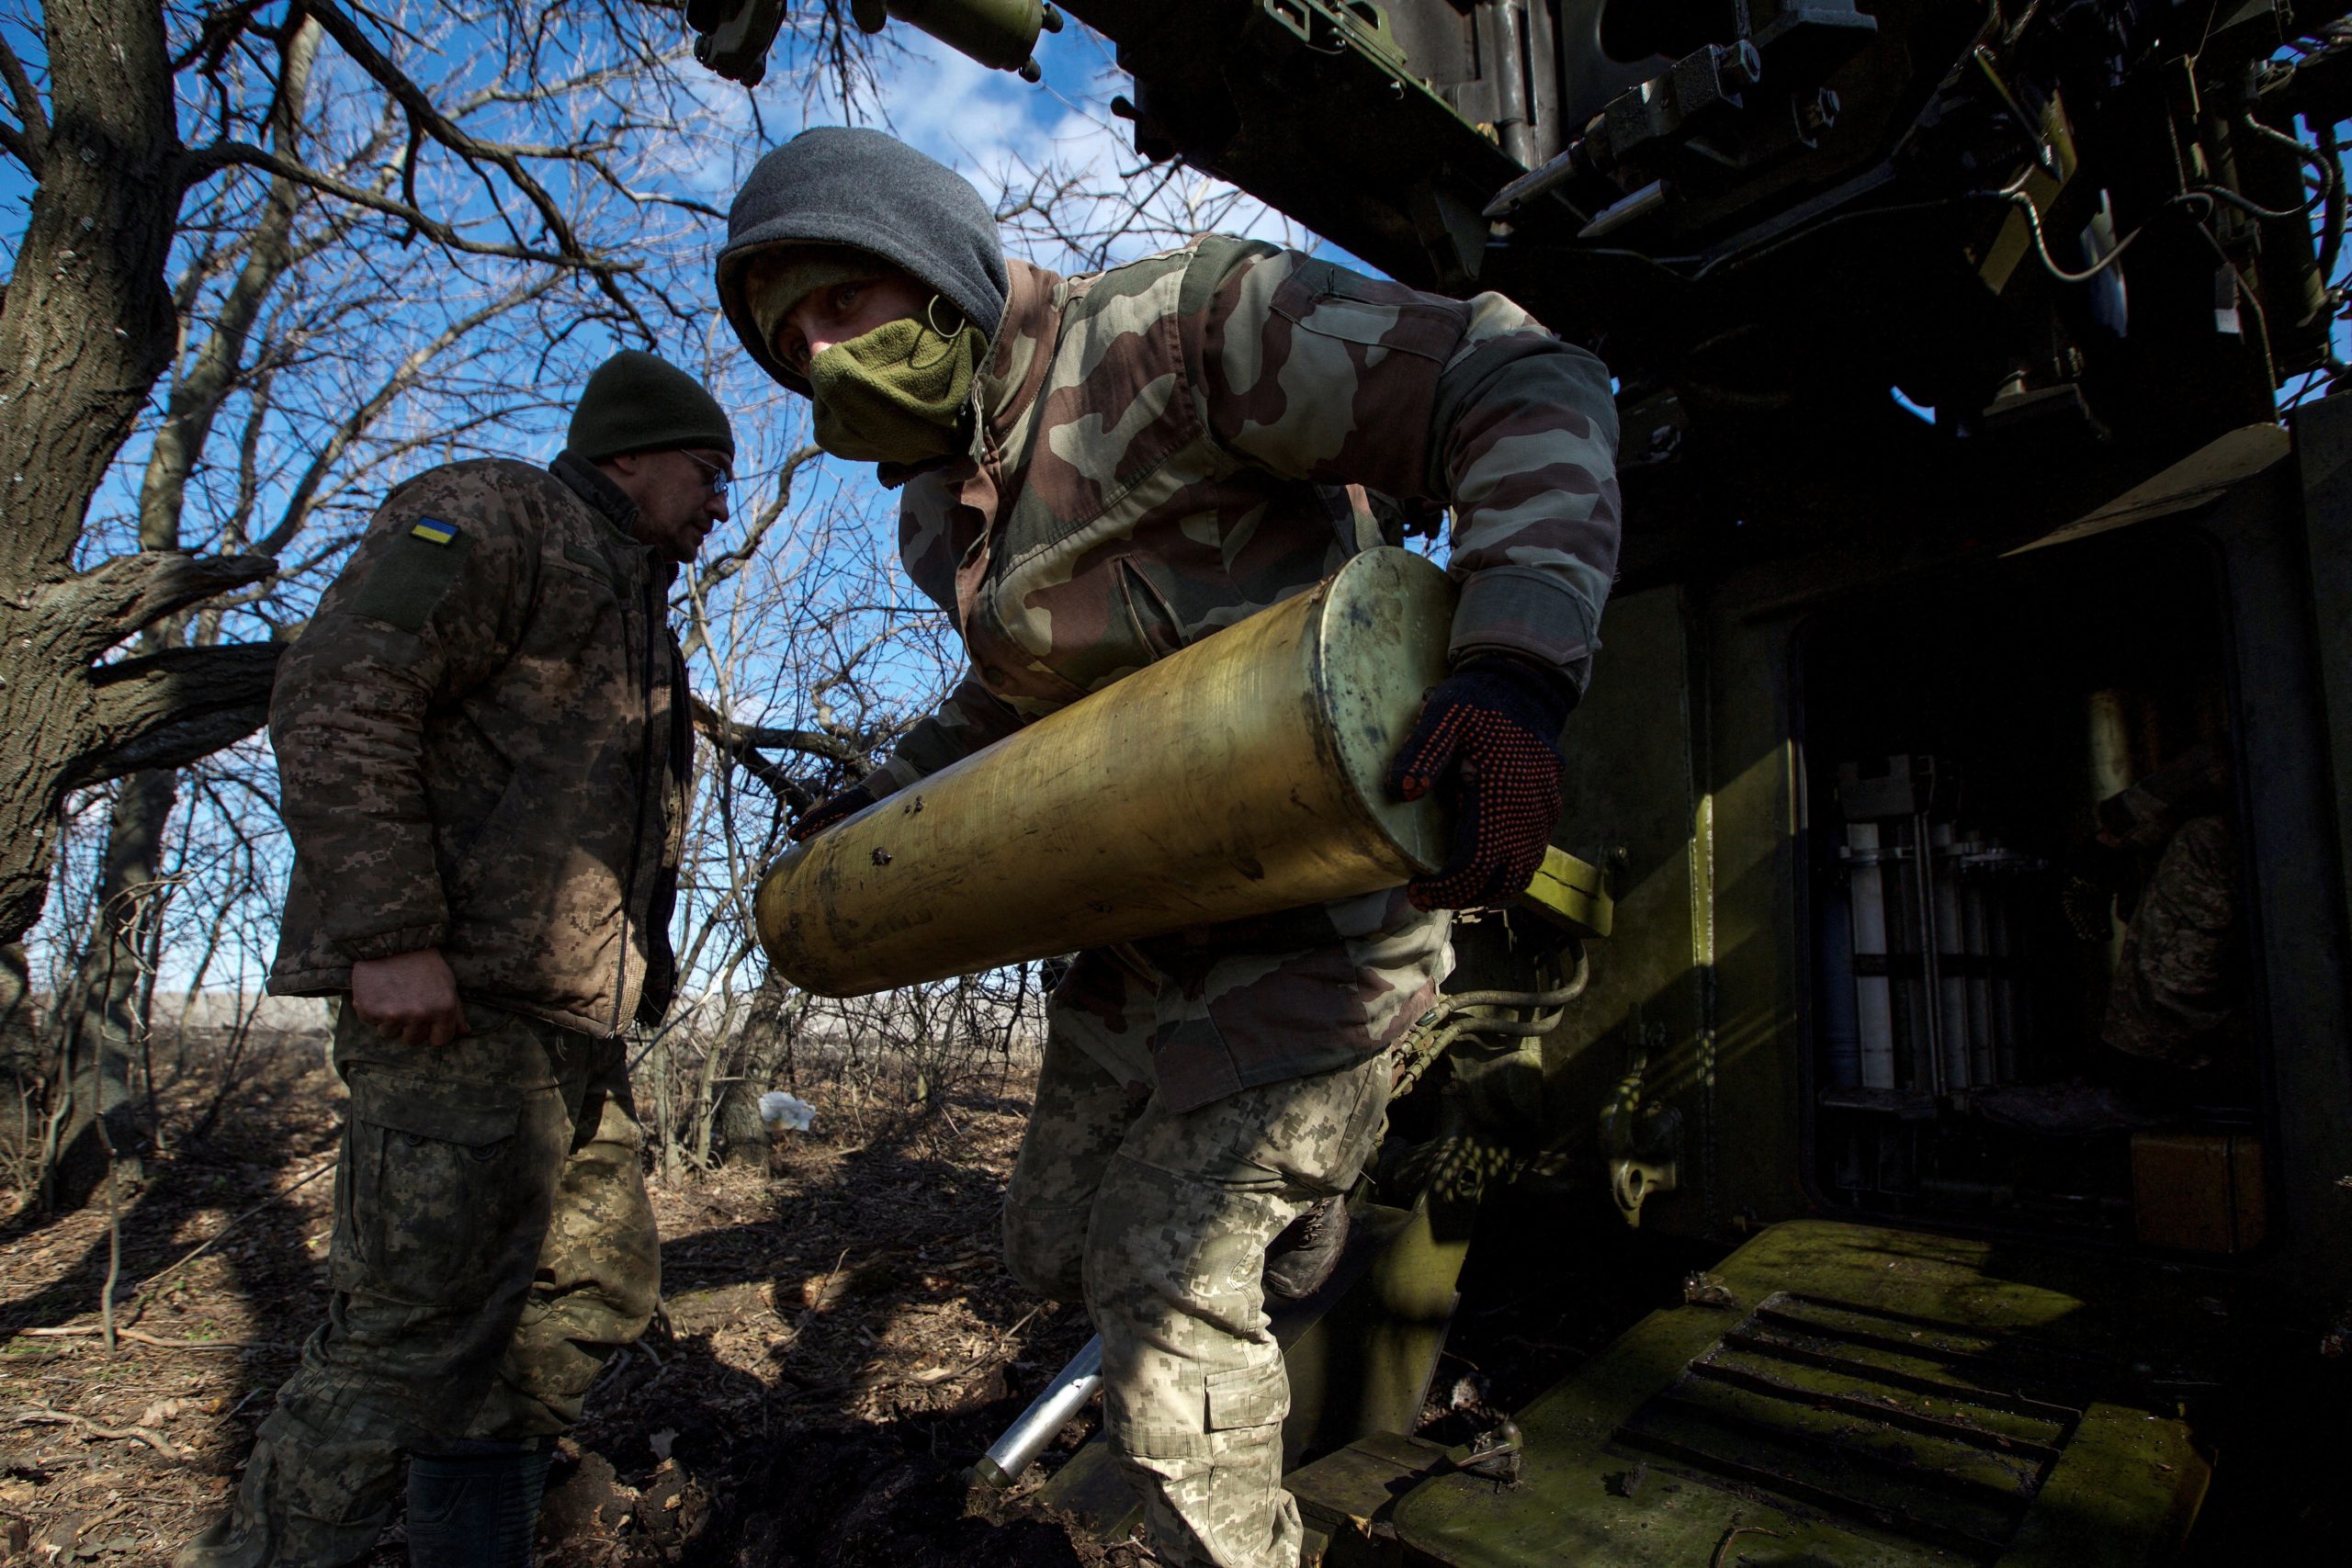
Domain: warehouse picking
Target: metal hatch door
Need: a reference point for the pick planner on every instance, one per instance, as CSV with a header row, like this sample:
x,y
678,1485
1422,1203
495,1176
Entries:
x,y
1868,1397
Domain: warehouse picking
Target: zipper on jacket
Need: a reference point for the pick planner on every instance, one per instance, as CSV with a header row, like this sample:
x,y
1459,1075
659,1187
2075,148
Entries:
x,y
637,837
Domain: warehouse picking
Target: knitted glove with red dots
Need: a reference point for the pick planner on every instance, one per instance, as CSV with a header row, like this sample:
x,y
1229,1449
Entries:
x,y
1485,739
830,811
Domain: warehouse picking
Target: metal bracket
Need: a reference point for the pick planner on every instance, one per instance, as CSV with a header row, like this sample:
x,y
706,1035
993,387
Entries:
x,y
1643,1146
735,40
1630,1182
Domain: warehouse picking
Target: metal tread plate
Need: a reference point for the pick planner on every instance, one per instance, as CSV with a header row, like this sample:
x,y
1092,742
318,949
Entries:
x,y
1872,1397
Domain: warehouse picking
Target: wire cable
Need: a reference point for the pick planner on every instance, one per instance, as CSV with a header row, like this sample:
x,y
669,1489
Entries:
x,y
2324,167
2255,208
2018,198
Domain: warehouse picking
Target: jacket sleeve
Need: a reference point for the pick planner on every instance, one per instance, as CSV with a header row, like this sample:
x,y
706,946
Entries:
x,y
2195,783
970,718
1317,372
429,605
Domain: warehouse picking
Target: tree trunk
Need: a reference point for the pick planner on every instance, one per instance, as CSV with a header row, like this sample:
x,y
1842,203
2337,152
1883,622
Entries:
x,y
88,329
94,1070
15,997
94,1074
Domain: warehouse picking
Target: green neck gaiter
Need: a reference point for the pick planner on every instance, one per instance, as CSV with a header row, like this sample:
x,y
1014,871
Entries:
x,y
898,394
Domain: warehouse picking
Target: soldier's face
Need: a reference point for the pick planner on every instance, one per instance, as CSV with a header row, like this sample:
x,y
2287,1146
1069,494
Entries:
x,y
846,310
680,496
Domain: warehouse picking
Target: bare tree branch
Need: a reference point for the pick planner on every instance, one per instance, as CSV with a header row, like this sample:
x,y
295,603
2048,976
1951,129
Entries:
x,y
29,142
719,568
409,370
166,709
744,743
203,162
199,389
87,614
426,116
220,32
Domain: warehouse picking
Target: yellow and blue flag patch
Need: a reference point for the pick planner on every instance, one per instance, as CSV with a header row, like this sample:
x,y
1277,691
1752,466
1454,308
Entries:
x,y
405,584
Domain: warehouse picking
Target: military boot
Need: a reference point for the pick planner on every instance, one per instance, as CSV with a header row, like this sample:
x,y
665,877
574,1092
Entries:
x,y
1303,1256
230,1541
475,1507
260,1532
239,1538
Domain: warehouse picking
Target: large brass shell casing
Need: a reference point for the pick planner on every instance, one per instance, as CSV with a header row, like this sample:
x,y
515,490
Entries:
x,y
1239,777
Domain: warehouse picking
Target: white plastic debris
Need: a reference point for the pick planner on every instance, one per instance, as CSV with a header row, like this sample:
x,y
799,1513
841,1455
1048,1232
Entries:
x,y
783,1113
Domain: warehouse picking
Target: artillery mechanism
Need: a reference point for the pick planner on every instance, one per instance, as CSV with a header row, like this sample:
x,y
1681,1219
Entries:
x,y
1982,452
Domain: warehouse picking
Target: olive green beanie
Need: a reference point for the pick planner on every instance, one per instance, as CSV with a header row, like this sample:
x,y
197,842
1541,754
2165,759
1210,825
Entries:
x,y
638,402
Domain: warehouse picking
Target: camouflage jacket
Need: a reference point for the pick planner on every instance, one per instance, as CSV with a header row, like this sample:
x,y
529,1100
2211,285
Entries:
x,y
2195,783
1169,446
482,747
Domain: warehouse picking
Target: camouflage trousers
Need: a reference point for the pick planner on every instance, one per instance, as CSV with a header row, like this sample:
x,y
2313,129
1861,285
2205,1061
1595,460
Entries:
x,y
493,1244
1158,1215
2177,988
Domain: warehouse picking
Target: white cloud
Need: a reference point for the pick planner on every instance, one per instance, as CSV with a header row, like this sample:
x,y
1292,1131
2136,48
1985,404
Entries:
x,y
997,130
972,119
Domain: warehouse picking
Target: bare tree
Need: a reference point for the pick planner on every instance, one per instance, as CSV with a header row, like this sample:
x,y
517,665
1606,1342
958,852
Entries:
x,y
489,168
339,245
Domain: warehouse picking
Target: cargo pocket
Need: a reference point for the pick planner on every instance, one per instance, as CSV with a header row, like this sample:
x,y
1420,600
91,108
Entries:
x,y
1365,1124
1321,298
1151,619
432,1188
1247,1397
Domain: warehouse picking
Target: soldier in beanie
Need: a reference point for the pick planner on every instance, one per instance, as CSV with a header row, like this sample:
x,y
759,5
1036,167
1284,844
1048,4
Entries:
x,y
483,747
1098,471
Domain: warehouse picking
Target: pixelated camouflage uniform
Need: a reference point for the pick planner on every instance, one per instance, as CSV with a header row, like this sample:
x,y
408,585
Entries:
x,y
484,751
2179,988
1164,449
484,748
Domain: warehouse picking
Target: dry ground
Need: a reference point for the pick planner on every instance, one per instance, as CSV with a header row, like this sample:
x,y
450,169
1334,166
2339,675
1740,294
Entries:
x,y
838,1341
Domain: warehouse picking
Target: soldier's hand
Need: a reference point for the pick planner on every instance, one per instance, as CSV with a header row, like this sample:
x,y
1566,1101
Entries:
x,y
832,809
1484,741
411,996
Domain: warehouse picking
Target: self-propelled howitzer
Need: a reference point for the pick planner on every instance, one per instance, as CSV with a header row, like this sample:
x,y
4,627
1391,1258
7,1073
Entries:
x,y
1961,505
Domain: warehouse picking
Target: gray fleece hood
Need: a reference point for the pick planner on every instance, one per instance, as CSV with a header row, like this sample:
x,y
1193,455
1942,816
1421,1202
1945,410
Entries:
x,y
838,185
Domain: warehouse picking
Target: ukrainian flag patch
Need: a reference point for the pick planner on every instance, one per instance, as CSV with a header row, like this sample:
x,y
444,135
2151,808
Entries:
x,y
433,532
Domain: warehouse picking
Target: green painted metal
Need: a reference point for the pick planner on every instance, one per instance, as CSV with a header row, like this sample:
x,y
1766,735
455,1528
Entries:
x,y
1745,1104
1364,1365
999,33
1633,809
1869,1397
2323,457
1360,1353
1342,1496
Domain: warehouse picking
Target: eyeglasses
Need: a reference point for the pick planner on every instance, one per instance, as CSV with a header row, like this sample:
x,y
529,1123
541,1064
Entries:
x,y
719,478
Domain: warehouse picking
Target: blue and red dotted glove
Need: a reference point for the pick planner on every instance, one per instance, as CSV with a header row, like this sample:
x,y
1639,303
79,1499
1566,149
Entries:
x,y
1486,739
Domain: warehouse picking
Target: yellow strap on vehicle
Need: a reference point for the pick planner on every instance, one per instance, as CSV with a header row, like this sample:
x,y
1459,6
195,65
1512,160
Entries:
x,y
1568,892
